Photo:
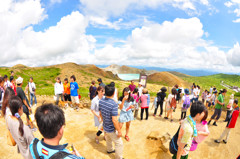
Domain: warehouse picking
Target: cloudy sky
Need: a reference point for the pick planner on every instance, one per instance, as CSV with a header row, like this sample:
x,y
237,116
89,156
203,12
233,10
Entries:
x,y
191,34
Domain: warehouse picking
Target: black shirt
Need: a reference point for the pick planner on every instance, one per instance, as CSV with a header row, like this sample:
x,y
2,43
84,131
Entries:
x,y
162,95
21,94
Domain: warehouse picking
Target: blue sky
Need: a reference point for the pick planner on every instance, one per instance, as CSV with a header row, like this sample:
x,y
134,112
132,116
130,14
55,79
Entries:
x,y
186,34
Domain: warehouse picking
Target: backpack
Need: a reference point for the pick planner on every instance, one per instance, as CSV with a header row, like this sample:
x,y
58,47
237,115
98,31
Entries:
x,y
173,146
173,102
58,155
159,99
186,103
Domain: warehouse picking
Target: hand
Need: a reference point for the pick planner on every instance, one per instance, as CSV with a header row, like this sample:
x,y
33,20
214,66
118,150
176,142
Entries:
x,y
30,110
119,134
132,106
125,97
75,152
99,119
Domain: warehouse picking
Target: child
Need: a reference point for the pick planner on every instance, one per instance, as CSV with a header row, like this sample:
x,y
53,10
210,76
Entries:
x,y
74,91
58,88
66,93
213,99
202,130
145,101
208,100
126,103
171,103
204,96
229,107
95,111
231,123
136,98
185,104
21,133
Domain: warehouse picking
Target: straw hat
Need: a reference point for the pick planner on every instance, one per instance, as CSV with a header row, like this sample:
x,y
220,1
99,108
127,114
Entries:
x,y
19,80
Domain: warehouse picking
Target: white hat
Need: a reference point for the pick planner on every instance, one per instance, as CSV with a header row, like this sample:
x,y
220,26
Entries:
x,y
232,96
19,80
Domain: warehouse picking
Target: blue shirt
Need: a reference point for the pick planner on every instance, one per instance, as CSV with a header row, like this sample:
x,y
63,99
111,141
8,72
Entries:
x,y
74,87
108,108
47,151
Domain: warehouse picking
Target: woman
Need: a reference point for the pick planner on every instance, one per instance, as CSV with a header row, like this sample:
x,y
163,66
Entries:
x,y
171,103
229,108
126,103
1,91
160,96
92,90
58,88
202,131
13,86
145,101
5,105
95,111
21,133
136,98
66,92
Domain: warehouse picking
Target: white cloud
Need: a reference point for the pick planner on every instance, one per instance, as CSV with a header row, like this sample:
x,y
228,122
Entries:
x,y
55,1
236,5
234,55
228,3
236,20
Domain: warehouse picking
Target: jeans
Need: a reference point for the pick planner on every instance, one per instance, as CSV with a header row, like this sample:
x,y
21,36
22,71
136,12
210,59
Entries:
x,y
31,98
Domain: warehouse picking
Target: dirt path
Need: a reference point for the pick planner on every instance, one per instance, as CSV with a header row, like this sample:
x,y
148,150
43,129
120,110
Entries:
x,y
80,131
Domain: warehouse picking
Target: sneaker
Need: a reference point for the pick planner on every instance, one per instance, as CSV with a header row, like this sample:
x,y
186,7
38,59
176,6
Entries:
x,y
215,124
225,142
209,122
217,141
160,115
165,117
34,129
171,120
111,152
154,115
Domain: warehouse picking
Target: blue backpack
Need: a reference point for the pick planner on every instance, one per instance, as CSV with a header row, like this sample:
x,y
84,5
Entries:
x,y
187,102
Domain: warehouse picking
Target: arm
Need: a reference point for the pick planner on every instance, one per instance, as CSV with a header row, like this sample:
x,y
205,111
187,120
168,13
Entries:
x,y
25,103
116,125
180,150
203,133
219,102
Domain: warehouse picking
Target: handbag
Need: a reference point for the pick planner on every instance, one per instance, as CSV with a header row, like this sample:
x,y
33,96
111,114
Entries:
x,y
229,106
10,140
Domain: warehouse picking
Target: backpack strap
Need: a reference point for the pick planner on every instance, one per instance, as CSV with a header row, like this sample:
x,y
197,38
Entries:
x,y
60,155
35,142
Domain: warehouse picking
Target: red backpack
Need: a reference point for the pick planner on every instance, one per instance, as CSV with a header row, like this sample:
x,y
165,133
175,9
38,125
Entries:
x,y
173,103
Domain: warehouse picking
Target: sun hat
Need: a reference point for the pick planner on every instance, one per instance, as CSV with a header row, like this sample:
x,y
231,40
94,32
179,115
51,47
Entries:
x,y
19,80
186,91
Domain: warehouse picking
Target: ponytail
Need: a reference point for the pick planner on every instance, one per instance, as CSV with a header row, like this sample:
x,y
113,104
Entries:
x,y
15,104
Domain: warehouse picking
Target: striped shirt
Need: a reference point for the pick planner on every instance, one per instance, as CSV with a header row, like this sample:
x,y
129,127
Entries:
x,y
108,108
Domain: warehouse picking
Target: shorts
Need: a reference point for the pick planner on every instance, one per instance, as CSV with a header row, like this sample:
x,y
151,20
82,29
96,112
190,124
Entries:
x,y
67,97
75,99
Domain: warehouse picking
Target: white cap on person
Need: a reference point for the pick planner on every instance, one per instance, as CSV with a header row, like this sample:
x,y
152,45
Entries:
x,y
19,80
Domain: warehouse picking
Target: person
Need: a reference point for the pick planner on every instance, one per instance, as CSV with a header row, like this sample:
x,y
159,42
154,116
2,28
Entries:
x,y
12,74
108,112
95,110
126,104
22,96
5,105
186,102
58,89
231,123
21,133
6,82
1,91
74,91
13,86
212,100
115,96
188,130
198,91
218,107
51,122
202,130
92,90
204,96
140,88
195,93
101,83
171,103
32,90
208,99
229,107
66,93
211,90
132,86
160,99
136,98
145,101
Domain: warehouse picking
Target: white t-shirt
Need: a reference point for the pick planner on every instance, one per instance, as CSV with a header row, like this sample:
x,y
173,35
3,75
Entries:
x,y
58,88
7,84
195,92
140,91
208,97
231,103
31,86
198,92
115,97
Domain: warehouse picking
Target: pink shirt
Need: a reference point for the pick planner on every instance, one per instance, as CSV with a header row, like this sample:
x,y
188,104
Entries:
x,y
144,101
135,97
201,127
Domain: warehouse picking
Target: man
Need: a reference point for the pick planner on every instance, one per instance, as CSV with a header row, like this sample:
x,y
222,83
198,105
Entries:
x,y
7,83
218,107
22,96
12,74
51,121
132,86
188,130
74,92
32,90
101,83
108,112
231,123
211,90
